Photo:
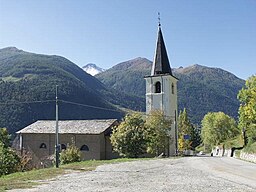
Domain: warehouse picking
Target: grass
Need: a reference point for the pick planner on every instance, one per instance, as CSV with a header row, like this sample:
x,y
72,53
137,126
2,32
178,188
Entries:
x,y
250,148
31,178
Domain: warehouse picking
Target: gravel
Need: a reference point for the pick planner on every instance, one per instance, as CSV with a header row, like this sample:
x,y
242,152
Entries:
x,y
181,174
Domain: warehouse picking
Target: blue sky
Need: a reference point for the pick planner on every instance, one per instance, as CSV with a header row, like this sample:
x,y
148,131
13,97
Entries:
x,y
219,33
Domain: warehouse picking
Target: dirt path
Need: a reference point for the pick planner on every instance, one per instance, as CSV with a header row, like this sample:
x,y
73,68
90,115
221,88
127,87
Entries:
x,y
183,174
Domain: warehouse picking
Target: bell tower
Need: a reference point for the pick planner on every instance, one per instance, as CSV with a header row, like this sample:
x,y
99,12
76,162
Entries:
x,y
161,89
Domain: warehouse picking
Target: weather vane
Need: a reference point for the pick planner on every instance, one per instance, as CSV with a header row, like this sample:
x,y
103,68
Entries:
x,y
159,19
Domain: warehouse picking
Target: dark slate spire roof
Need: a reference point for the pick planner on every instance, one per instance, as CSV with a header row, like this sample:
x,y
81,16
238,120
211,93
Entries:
x,y
161,63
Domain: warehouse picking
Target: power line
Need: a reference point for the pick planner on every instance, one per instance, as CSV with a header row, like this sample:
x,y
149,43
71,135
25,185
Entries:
x,y
25,102
91,106
102,108
72,103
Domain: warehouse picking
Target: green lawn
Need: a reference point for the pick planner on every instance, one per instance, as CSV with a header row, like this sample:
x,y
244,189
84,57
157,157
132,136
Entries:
x,y
31,178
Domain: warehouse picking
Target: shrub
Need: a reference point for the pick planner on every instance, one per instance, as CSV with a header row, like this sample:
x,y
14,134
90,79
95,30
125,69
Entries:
x,y
9,160
70,155
250,148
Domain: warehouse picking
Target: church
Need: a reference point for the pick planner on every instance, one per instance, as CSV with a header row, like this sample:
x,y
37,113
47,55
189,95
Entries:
x,y
92,137
161,90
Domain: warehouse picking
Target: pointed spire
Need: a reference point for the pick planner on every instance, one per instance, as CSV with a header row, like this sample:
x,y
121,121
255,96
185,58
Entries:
x,y
161,63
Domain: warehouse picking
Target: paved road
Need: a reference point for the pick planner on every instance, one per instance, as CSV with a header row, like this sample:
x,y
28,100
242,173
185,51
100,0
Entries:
x,y
182,174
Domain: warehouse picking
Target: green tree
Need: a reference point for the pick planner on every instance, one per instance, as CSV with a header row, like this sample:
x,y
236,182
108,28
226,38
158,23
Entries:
x,y
185,127
247,109
128,139
195,137
158,128
9,160
217,127
5,138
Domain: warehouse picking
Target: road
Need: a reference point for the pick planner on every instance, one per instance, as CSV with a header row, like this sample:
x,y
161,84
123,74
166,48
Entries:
x,y
188,174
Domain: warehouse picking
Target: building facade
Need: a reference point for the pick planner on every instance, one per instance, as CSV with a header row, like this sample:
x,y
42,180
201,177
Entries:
x,y
161,90
92,137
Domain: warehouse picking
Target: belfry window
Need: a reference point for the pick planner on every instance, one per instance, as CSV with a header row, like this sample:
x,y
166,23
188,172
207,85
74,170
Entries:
x,y
158,87
43,146
172,88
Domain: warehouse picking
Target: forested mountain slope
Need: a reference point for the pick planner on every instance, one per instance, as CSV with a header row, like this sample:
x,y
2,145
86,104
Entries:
x,y
28,77
200,89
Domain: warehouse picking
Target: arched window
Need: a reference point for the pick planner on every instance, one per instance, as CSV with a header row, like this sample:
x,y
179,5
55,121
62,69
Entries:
x,y
158,87
84,148
63,147
43,146
172,88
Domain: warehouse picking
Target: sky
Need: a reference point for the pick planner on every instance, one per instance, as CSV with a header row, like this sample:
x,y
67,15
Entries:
x,y
219,33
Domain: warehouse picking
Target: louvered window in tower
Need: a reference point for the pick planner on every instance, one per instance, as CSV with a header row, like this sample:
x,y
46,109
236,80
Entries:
x,y
172,88
158,87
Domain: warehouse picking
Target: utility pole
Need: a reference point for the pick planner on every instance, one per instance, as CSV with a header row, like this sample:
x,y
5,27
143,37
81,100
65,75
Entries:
x,y
57,146
176,133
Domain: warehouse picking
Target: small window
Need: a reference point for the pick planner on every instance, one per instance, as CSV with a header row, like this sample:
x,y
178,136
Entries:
x,y
172,88
63,147
43,146
84,148
158,87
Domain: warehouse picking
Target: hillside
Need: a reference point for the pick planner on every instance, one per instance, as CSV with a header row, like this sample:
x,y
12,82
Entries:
x,y
27,77
200,89
128,76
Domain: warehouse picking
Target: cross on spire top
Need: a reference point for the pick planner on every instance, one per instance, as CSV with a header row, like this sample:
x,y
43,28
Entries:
x,y
159,19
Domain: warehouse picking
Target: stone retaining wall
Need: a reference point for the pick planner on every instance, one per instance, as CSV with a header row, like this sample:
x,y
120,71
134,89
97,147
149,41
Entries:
x,y
248,156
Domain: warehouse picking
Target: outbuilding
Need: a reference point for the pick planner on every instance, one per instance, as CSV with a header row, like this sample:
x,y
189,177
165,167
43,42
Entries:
x,y
92,137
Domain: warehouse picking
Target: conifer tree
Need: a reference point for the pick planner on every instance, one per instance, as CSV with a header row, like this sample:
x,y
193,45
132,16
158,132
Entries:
x,y
188,137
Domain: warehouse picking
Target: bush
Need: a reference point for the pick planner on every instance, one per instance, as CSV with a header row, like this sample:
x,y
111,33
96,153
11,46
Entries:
x,y
250,148
9,160
70,155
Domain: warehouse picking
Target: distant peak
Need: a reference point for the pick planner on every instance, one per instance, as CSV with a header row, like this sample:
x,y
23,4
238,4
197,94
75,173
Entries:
x,y
10,49
92,69
90,65
139,59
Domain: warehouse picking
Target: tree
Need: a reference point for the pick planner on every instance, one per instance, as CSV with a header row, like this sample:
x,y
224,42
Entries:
x,y
9,160
217,127
186,128
5,138
195,136
128,139
247,109
158,128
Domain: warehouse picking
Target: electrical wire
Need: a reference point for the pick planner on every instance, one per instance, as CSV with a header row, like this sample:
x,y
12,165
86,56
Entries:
x,y
73,103
25,102
91,106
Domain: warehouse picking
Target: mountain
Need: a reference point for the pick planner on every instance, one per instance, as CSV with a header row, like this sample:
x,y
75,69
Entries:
x,y
92,69
28,82
128,77
27,90
200,89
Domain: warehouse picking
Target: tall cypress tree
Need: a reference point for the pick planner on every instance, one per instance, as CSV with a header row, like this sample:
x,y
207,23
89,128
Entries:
x,y
189,136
